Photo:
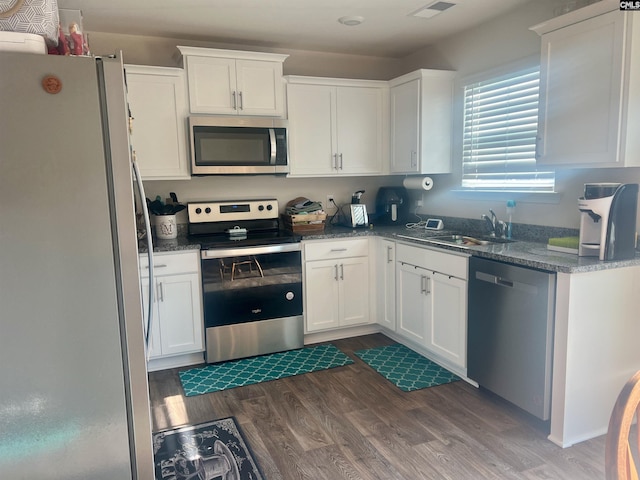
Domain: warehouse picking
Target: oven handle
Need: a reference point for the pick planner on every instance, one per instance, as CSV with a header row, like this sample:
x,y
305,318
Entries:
x,y
235,252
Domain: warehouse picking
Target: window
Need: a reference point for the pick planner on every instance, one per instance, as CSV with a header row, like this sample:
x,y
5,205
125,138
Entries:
x,y
499,135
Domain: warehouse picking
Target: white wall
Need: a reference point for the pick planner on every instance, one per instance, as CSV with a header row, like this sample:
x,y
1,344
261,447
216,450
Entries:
x,y
501,41
284,189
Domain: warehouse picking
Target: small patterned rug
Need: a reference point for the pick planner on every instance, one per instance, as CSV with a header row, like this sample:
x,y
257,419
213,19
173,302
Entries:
x,y
247,371
206,451
405,368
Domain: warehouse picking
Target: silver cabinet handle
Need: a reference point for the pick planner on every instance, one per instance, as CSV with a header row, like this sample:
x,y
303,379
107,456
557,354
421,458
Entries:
x,y
338,250
340,156
241,102
341,271
414,159
233,97
389,256
334,165
423,284
335,276
157,266
160,292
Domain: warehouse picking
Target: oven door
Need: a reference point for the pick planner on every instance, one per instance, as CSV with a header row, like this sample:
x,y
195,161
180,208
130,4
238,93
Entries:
x,y
251,284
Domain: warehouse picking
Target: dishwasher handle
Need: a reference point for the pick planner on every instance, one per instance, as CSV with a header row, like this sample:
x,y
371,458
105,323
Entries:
x,y
505,282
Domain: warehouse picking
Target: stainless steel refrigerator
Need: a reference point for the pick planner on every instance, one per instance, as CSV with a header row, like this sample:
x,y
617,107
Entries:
x,y
74,401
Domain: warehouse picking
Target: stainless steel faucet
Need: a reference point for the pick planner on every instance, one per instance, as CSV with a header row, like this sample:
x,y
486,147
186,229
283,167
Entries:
x,y
497,228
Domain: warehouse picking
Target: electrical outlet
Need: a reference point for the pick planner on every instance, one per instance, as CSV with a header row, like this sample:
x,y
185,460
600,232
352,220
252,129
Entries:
x,y
329,206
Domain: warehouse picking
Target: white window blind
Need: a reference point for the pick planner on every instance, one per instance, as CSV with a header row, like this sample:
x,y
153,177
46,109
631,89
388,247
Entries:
x,y
499,139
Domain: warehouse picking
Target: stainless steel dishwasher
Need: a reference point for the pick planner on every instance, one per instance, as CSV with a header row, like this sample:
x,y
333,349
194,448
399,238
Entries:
x,y
510,332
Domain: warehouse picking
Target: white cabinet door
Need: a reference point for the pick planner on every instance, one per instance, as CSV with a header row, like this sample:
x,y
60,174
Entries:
x,y
448,318
311,130
336,129
336,284
354,290
228,86
212,85
414,303
322,288
180,313
157,100
421,122
386,298
405,122
260,88
580,93
177,314
359,125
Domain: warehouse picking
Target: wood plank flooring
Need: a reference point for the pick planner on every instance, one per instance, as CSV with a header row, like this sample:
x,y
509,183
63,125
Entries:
x,y
351,423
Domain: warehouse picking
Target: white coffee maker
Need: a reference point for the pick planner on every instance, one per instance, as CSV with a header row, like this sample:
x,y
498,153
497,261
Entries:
x,y
608,221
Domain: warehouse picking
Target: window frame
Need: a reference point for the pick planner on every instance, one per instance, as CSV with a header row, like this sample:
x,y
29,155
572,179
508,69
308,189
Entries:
x,y
461,83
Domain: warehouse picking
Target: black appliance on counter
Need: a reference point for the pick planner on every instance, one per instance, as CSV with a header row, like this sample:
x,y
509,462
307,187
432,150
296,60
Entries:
x,y
608,221
392,205
251,278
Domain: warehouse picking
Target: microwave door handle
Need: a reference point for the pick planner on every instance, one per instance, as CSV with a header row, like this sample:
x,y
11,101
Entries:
x,y
272,139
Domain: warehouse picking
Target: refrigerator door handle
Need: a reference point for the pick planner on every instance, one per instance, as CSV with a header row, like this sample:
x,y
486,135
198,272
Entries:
x,y
147,226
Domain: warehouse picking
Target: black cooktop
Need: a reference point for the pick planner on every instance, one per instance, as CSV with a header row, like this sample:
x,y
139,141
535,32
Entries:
x,y
251,239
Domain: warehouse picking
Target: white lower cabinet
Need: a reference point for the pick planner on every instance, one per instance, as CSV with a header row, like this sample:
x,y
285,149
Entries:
x,y
431,308
386,277
336,284
177,327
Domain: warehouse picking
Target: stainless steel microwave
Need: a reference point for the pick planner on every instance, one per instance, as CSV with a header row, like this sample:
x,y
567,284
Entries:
x,y
238,145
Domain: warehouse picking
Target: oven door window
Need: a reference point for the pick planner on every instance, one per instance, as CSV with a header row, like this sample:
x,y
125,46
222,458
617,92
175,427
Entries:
x,y
251,287
229,146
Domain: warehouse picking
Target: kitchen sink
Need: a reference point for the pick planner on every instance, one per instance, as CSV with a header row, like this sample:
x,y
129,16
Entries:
x,y
466,240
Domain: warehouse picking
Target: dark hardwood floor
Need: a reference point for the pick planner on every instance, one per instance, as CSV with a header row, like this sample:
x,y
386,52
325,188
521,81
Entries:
x,y
351,423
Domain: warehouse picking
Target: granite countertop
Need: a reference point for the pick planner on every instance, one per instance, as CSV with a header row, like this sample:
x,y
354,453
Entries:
x,y
525,253
519,252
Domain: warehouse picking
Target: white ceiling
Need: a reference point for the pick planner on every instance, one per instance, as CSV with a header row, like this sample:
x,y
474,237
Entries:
x,y
388,29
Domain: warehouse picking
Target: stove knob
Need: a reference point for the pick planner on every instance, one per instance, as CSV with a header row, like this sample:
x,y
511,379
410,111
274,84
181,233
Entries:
x,y
198,210
261,207
269,207
207,210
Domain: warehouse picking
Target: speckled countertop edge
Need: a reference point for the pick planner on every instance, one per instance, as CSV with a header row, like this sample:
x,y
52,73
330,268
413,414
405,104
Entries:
x,y
524,253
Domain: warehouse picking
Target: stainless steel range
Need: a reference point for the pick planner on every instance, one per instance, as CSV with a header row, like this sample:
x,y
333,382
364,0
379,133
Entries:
x,y
251,278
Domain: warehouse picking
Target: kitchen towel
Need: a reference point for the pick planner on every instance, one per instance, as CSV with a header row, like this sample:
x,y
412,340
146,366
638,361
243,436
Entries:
x,y
405,368
237,373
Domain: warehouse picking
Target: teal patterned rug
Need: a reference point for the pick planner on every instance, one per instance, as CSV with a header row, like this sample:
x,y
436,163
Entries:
x,y
405,368
247,371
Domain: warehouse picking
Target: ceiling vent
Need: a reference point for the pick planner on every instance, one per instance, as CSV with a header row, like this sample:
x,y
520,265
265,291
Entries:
x,y
432,9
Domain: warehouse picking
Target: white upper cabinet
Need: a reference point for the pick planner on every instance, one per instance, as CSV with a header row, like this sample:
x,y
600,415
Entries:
x,y
337,126
157,99
421,105
230,82
589,73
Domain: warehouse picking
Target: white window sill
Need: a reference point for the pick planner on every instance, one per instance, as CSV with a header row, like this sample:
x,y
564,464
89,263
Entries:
x,y
503,195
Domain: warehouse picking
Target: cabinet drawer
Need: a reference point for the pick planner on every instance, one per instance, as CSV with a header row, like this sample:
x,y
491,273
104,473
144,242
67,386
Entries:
x,y
170,263
336,249
447,263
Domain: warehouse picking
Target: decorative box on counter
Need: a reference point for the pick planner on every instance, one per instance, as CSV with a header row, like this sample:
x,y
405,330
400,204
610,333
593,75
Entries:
x,y
305,223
